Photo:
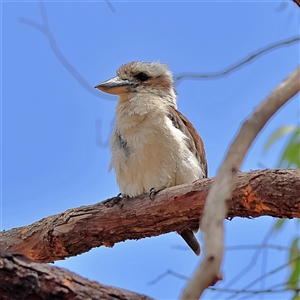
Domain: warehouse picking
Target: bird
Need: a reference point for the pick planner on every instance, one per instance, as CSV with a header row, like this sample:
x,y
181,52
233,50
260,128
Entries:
x,y
153,145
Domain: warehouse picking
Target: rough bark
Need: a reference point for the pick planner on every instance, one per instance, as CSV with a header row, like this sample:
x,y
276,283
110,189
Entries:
x,y
22,278
216,209
297,2
273,193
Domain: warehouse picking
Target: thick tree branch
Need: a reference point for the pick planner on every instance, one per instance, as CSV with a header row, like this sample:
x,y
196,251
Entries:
x,y
23,279
270,192
297,2
216,209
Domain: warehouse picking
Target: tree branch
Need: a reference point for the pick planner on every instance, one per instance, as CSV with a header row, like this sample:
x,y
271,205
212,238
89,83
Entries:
x,y
297,2
23,279
215,210
45,29
237,65
269,192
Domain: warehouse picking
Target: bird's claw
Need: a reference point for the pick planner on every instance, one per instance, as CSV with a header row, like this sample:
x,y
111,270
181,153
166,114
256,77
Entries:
x,y
154,191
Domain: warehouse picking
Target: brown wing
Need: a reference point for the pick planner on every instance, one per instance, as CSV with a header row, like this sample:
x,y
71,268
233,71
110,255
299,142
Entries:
x,y
195,142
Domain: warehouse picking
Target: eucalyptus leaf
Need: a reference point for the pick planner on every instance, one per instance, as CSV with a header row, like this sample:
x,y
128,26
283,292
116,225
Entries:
x,y
284,130
291,154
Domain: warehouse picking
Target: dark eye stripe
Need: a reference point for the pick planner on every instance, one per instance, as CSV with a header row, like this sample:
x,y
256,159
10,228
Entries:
x,y
142,76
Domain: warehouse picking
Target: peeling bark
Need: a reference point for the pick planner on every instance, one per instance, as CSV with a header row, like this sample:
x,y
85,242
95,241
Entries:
x,y
273,193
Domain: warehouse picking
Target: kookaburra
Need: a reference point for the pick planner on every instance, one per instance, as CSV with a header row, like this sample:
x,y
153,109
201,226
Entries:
x,y
153,145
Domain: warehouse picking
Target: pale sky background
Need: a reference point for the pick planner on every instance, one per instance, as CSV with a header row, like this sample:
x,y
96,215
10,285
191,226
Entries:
x,y
52,127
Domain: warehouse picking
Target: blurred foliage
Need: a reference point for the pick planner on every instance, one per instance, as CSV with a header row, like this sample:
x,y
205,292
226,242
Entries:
x,y
293,281
290,158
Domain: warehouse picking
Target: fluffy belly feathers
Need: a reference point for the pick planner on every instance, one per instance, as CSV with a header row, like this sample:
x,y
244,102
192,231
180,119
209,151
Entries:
x,y
156,158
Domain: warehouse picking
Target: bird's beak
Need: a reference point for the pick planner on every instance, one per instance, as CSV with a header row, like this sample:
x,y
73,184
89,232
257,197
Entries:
x,y
115,85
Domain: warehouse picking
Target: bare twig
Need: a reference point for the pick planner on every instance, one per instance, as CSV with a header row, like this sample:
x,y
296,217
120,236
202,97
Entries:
x,y
166,274
251,264
45,29
235,292
237,65
110,5
261,246
258,279
226,288
245,247
215,209
251,292
98,132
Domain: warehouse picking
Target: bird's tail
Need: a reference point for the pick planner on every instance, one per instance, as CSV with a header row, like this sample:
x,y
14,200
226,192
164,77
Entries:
x,y
191,240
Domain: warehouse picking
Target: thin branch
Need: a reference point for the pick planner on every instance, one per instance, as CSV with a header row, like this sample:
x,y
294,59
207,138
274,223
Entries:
x,y
110,5
45,29
98,132
251,263
244,247
258,279
166,274
215,210
254,258
263,246
263,269
78,230
271,289
250,292
44,14
237,65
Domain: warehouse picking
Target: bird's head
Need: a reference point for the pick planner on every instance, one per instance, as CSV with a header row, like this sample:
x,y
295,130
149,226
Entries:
x,y
140,77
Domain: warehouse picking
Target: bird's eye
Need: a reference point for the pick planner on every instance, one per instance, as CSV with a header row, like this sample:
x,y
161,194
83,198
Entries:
x,y
142,76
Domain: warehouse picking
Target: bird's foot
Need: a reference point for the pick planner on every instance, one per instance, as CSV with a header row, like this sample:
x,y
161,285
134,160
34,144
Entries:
x,y
154,191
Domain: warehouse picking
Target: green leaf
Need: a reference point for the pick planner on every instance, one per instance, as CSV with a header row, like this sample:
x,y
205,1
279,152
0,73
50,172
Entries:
x,y
296,296
291,154
277,226
295,251
293,281
284,130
